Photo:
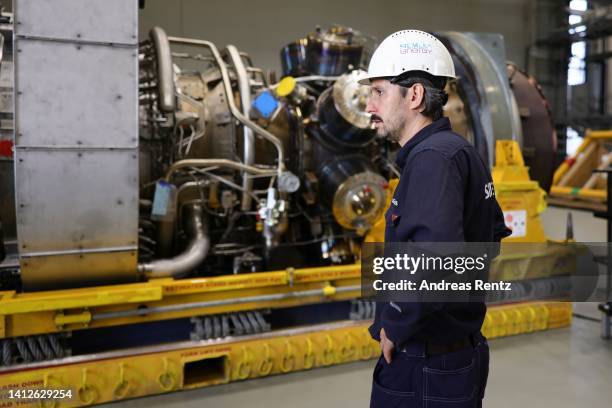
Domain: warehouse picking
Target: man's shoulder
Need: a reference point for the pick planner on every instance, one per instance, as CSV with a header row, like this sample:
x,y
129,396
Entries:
x,y
446,143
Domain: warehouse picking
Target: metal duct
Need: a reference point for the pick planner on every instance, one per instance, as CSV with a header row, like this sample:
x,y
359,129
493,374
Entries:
x,y
192,256
480,62
76,141
167,99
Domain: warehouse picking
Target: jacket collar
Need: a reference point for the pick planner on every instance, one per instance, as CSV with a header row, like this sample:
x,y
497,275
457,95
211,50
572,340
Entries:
x,y
439,125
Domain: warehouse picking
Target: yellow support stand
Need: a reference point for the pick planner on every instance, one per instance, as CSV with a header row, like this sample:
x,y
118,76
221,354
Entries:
x,y
574,184
520,198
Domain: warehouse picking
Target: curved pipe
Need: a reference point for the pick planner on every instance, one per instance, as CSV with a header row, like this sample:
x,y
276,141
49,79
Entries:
x,y
216,162
230,101
249,140
196,251
165,86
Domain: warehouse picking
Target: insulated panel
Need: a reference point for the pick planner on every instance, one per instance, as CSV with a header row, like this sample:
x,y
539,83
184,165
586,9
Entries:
x,y
108,21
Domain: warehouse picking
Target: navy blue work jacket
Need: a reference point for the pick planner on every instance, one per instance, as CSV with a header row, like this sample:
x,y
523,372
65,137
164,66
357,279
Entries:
x,y
445,194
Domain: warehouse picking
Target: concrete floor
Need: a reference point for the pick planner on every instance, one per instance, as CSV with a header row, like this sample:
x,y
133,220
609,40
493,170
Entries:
x,y
560,368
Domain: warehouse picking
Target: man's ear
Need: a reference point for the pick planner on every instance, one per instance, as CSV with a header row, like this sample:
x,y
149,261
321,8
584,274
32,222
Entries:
x,y
416,96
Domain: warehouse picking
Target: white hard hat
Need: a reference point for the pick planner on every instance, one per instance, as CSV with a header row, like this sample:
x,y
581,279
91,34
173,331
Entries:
x,y
410,50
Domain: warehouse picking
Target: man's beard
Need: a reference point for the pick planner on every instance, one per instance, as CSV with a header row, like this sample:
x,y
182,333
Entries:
x,y
393,131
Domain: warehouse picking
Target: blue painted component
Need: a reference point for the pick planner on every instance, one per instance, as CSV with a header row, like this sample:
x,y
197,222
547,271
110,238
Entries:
x,y
265,103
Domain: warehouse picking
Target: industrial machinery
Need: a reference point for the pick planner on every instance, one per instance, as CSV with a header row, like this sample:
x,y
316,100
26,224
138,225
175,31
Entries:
x,y
181,221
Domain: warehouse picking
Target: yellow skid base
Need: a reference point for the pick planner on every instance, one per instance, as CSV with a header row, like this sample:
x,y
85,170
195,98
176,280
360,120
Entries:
x,y
126,374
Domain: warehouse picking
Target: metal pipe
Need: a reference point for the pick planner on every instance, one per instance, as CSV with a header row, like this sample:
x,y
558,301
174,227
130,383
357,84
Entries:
x,y
316,78
165,229
216,162
194,254
248,150
166,89
326,291
230,100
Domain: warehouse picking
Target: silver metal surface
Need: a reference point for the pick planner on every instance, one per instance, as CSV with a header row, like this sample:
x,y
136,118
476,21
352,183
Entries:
x,y
76,199
165,74
77,96
187,261
360,201
6,87
220,302
288,182
350,99
83,270
217,162
244,89
106,21
230,101
499,114
76,127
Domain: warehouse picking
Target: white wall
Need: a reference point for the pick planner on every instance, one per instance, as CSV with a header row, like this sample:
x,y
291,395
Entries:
x,y
262,28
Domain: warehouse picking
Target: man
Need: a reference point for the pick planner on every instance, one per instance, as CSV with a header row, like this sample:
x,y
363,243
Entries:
x,y
433,355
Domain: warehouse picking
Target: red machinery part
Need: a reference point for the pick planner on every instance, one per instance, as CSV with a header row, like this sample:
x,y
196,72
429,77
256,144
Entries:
x,y
539,137
6,148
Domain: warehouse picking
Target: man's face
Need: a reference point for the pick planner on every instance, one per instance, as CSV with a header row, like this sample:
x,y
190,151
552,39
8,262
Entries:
x,y
388,109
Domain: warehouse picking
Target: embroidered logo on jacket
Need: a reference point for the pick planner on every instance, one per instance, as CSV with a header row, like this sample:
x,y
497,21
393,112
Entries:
x,y
489,190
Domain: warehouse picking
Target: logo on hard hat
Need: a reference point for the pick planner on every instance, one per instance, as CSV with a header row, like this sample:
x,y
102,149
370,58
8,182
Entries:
x,y
415,48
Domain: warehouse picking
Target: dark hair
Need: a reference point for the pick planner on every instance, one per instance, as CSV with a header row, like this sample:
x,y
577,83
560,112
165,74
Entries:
x,y
434,98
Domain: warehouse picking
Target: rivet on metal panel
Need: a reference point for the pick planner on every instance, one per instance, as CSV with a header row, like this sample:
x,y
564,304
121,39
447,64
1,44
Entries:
x,y
167,379
87,393
265,367
328,352
309,356
243,368
42,403
347,348
288,361
367,351
122,387
47,385
290,272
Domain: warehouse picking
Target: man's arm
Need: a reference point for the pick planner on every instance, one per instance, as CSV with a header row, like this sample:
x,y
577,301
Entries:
x,y
433,205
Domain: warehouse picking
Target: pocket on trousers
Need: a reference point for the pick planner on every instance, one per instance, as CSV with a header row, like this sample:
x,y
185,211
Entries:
x,y
451,388
383,397
386,398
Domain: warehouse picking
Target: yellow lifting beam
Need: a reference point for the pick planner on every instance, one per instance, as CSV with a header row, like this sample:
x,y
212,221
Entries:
x,y
23,314
127,374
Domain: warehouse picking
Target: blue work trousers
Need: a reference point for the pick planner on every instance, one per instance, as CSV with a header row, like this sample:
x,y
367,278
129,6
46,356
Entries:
x,y
417,380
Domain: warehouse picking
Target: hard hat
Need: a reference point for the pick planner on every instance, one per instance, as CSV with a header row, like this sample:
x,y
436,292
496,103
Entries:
x,y
410,50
